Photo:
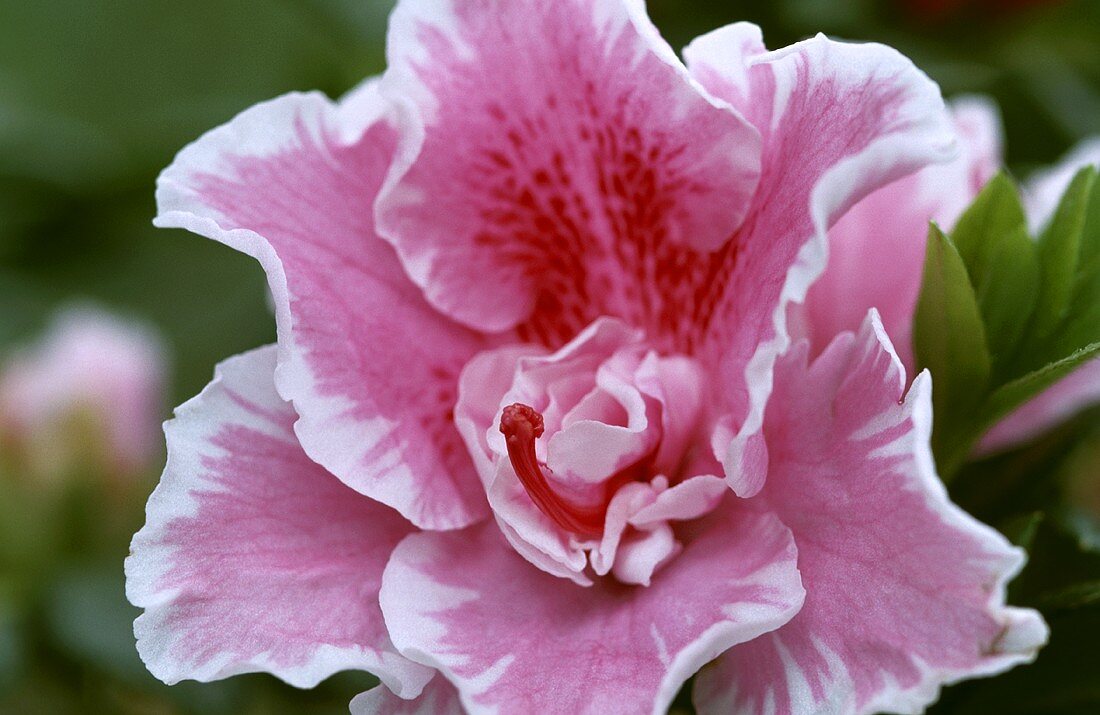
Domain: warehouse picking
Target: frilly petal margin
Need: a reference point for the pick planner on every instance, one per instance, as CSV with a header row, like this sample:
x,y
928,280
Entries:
x,y
905,591
839,120
514,639
439,698
252,557
370,368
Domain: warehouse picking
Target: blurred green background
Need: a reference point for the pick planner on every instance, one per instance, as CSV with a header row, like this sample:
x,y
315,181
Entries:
x,y
96,96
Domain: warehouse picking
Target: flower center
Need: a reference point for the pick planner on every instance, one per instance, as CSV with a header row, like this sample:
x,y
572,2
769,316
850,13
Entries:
x,y
521,425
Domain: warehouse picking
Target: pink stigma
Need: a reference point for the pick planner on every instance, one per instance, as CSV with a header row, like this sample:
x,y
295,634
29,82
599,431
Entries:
x,y
521,425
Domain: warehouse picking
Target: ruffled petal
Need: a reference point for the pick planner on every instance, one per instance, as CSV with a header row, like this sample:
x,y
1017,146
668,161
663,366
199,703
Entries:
x,y
439,698
722,61
689,499
839,121
904,590
254,558
564,166
514,639
369,366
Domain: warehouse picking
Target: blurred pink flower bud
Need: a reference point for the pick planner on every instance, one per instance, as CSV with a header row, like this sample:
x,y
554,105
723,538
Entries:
x,y
86,396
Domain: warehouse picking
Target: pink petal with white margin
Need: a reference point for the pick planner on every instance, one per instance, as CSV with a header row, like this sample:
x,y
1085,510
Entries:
x,y
439,698
562,156
253,558
516,640
839,121
904,590
1081,388
369,366
876,250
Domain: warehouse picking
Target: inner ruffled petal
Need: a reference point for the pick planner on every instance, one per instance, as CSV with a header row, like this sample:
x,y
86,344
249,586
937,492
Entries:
x,y
569,490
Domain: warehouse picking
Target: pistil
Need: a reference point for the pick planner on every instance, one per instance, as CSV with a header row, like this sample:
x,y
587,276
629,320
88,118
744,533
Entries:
x,y
521,425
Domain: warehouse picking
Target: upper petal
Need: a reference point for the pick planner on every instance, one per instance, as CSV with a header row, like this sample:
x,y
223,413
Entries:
x,y
514,639
904,590
254,558
722,61
369,366
562,153
839,121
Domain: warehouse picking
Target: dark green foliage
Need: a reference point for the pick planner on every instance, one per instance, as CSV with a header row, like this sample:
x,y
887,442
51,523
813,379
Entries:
x,y
1002,317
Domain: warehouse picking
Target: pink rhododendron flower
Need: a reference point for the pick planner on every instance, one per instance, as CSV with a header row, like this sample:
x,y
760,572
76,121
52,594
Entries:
x,y
534,437
877,257
88,394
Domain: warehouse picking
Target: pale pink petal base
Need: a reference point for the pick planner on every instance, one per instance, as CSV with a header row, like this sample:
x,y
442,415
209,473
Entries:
x,y
254,558
514,639
905,591
370,368
1044,189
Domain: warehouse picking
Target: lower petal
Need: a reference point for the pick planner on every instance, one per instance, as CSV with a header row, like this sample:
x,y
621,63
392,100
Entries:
x,y
514,639
905,591
438,698
254,558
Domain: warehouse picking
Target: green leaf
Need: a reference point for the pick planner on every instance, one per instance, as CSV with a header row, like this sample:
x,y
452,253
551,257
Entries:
x,y
950,341
1060,253
1022,529
1000,258
1076,596
1009,396
1080,324
1000,317
1057,567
